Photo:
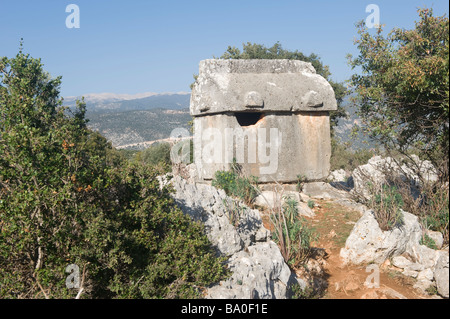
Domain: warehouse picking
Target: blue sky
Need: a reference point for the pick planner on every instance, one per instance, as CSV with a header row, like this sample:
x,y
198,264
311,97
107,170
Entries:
x,y
140,46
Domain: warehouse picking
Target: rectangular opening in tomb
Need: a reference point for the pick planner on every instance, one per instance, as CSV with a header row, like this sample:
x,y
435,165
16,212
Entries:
x,y
248,118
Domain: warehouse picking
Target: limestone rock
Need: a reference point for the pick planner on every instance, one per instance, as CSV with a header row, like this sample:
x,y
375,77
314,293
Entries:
x,y
422,255
208,205
268,199
410,273
423,285
424,280
379,171
401,262
338,176
426,274
322,190
260,269
437,237
257,266
441,274
368,243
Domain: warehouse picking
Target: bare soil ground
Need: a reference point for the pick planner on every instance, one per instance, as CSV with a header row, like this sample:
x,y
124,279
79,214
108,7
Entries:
x,y
334,222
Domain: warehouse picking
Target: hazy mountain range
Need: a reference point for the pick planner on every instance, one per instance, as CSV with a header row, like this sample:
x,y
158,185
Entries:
x,y
99,102
128,121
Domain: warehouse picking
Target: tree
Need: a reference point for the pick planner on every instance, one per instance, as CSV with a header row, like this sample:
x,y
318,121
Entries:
x,y
67,197
259,51
402,91
155,154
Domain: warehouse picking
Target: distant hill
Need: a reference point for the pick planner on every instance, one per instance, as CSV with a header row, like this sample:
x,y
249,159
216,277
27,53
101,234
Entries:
x,y
131,119
105,102
344,128
137,126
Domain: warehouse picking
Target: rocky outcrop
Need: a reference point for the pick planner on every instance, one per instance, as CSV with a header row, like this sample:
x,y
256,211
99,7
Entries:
x,y
441,275
367,243
379,171
272,199
337,176
259,272
322,190
237,232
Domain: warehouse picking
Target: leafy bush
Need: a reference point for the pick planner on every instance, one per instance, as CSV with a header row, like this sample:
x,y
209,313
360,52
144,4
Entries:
x,y
402,87
236,184
67,197
432,207
428,241
155,154
296,292
342,157
292,233
387,203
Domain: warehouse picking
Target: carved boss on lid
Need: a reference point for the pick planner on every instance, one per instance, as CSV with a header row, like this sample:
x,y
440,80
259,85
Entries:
x,y
275,85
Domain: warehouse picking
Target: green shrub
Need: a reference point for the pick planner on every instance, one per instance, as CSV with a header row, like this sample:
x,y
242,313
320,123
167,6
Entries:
x,y
155,154
428,241
292,233
235,184
296,291
434,212
67,197
343,157
387,204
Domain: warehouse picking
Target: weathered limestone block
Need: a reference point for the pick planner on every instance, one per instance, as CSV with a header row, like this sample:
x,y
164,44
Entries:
x,y
441,274
272,116
367,243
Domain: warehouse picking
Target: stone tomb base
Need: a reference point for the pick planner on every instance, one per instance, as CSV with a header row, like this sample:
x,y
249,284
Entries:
x,y
275,146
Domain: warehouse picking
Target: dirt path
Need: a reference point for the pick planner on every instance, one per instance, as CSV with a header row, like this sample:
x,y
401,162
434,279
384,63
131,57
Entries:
x,y
334,223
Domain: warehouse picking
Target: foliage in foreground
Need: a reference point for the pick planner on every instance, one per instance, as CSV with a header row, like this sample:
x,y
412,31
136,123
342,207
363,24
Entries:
x,y
402,92
387,204
292,233
236,184
67,197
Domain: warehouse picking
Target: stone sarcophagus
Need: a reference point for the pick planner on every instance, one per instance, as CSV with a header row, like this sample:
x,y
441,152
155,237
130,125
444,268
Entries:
x,y
270,116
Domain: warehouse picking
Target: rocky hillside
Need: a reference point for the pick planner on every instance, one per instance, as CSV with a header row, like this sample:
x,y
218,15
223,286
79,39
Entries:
x,y
353,257
130,129
128,121
105,102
